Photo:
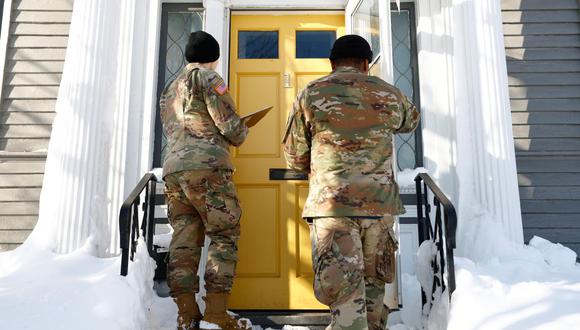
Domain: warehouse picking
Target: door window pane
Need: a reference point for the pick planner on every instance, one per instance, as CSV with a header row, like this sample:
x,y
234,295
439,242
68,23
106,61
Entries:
x,y
257,44
314,44
365,22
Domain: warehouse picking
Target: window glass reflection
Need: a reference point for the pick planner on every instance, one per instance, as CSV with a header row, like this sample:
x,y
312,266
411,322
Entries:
x,y
314,44
403,75
366,24
257,44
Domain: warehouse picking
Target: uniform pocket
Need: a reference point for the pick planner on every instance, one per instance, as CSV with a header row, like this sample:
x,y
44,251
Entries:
x,y
336,275
222,204
386,262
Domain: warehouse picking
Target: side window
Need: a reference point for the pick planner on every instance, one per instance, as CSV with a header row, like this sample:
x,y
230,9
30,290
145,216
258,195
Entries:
x,y
406,78
365,20
177,22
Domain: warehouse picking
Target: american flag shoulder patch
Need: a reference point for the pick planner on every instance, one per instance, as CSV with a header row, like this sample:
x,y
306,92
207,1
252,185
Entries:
x,y
220,87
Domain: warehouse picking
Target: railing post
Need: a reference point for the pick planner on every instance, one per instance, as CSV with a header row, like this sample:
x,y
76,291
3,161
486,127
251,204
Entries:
x,y
450,229
129,225
124,231
151,217
420,218
440,245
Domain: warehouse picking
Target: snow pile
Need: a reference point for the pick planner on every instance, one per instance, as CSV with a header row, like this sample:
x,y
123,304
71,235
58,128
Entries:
x,y
555,255
43,290
163,240
515,295
406,178
423,265
434,315
158,172
536,286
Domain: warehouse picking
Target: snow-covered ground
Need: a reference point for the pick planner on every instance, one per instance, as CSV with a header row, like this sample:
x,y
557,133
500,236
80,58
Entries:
x,y
536,289
539,288
500,285
43,290
47,291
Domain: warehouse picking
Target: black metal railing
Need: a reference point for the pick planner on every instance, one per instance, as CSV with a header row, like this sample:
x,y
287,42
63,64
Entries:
x,y
130,224
441,232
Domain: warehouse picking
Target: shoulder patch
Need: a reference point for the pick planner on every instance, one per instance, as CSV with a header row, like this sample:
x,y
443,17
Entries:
x,y
219,86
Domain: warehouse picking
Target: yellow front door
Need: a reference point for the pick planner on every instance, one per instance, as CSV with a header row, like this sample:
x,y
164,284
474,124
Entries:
x,y
272,57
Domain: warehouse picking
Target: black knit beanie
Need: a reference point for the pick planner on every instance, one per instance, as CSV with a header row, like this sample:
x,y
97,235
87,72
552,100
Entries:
x,y
202,48
351,45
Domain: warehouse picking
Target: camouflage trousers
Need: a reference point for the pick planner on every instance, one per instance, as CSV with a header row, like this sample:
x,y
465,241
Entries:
x,y
202,202
353,258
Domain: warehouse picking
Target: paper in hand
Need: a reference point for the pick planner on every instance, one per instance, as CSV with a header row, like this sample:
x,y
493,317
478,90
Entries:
x,y
254,117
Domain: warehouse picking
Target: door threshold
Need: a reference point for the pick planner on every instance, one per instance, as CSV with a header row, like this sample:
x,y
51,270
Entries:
x,y
277,319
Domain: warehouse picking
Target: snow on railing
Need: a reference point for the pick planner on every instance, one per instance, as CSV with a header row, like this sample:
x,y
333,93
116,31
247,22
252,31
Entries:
x,y
437,239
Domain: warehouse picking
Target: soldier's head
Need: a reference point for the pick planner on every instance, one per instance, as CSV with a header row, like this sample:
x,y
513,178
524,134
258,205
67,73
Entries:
x,y
202,48
353,51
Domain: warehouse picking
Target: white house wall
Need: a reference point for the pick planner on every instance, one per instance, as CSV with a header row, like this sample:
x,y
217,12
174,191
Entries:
x,y
32,53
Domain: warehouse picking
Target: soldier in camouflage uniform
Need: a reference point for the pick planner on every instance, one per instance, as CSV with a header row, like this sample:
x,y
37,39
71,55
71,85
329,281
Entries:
x,y
341,132
200,120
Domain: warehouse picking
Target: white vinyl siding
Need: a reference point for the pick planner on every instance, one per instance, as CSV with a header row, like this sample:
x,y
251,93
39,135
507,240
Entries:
x,y
37,41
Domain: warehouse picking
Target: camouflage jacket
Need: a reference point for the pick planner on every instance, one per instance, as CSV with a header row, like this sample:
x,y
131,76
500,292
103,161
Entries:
x,y
340,131
200,121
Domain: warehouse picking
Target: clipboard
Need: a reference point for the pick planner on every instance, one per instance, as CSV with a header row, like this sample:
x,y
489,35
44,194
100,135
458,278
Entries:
x,y
254,117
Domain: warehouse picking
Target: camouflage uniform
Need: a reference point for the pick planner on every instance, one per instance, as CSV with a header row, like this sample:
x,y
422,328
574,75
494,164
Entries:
x,y
200,121
340,132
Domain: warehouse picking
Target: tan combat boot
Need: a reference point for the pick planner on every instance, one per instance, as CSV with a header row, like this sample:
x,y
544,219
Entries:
x,y
188,314
216,311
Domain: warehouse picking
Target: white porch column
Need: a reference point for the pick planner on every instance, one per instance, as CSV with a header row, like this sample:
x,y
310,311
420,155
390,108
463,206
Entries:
x,y
93,156
485,156
216,24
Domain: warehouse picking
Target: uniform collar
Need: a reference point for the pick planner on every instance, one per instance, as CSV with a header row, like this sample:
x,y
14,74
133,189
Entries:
x,y
347,69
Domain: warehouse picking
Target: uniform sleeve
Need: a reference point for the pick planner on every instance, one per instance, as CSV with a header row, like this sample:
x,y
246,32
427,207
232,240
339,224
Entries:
x,y
297,139
222,109
410,116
